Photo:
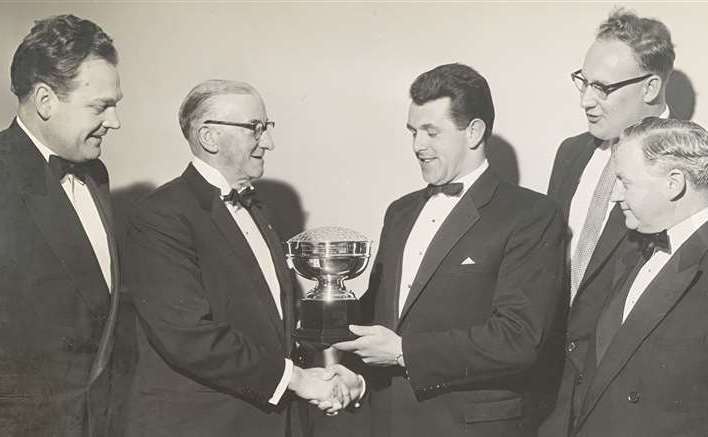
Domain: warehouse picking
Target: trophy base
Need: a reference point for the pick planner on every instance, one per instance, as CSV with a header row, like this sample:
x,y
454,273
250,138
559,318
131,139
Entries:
x,y
322,324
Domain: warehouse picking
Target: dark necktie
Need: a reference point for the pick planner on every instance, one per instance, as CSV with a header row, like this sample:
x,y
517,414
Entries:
x,y
61,167
447,189
610,319
245,197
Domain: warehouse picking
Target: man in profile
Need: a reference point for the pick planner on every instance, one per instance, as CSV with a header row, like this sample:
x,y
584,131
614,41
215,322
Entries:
x,y
59,274
645,369
467,280
213,294
623,80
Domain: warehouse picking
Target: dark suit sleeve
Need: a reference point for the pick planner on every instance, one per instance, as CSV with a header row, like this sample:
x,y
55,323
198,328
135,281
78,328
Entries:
x,y
525,302
162,270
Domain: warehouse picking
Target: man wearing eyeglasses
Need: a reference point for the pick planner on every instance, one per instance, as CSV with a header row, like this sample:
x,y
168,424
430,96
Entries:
x,y
212,291
622,81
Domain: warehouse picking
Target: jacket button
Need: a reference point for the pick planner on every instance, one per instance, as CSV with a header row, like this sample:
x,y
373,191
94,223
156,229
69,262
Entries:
x,y
579,379
633,397
571,346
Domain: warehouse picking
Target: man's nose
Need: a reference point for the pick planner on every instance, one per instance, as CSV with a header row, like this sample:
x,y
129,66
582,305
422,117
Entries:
x,y
266,141
111,121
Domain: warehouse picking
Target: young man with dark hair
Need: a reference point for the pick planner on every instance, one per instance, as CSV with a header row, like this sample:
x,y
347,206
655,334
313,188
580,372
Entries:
x,y
59,279
466,282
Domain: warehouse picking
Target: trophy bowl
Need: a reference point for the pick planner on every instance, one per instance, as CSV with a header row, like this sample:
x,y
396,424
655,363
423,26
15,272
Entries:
x,y
328,255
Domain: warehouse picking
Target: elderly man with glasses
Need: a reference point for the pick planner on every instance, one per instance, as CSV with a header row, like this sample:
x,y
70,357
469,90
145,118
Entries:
x,y
212,291
622,81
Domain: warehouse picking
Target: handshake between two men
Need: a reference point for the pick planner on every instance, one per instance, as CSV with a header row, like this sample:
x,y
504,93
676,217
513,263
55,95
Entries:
x,y
331,389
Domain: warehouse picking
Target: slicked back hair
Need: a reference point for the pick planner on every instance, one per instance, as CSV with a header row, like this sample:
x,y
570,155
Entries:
x,y
197,102
671,143
54,50
468,91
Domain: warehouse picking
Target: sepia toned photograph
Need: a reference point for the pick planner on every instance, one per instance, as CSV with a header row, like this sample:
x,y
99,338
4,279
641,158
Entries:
x,y
370,219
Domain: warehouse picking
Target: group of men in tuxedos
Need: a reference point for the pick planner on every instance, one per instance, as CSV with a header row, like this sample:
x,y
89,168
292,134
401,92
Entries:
x,y
492,310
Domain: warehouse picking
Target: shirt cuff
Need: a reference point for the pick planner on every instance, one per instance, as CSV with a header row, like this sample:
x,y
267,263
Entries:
x,y
363,391
284,382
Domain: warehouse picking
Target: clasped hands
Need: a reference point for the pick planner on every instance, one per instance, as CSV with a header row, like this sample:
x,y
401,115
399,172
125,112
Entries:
x,y
331,389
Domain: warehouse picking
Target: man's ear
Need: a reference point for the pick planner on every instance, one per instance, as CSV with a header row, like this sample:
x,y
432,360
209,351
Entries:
x,y
652,88
475,133
675,183
45,100
207,141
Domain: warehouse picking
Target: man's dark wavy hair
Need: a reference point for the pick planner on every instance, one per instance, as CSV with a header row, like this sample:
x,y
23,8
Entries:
x,y
468,91
53,52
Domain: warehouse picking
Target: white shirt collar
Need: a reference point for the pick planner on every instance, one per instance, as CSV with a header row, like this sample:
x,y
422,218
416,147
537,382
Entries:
x,y
666,112
44,150
212,175
679,233
470,178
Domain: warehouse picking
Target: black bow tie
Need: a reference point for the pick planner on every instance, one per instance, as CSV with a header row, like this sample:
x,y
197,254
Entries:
x,y
447,189
245,198
62,167
659,240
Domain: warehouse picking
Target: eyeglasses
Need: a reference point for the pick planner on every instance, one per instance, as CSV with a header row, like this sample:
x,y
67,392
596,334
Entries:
x,y
601,89
258,127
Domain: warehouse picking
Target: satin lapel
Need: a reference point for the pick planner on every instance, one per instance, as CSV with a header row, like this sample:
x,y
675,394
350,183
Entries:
x,y
576,166
615,230
402,221
462,217
281,269
655,303
237,242
103,204
52,212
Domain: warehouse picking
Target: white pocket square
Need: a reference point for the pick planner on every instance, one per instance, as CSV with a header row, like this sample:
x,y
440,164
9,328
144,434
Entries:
x,y
468,261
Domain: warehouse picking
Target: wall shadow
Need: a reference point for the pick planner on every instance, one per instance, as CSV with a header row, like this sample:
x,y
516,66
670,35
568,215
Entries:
x,y
123,200
502,158
681,96
125,353
286,213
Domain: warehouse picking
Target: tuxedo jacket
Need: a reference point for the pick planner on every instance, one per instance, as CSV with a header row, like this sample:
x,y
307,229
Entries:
x,y
652,379
476,317
571,159
56,312
211,345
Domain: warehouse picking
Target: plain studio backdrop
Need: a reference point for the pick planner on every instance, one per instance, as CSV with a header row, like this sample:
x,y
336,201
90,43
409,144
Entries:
x,y
335,78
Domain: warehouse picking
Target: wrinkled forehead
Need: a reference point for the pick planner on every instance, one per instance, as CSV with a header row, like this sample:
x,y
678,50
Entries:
x,y
610,60
236,107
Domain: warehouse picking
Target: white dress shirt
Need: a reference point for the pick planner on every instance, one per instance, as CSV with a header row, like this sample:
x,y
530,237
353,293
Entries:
x,y
260,250
580,204
85,207
431,217
678,235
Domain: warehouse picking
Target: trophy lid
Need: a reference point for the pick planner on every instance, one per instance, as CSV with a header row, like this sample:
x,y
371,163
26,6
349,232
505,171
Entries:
x,y
328,234
329,240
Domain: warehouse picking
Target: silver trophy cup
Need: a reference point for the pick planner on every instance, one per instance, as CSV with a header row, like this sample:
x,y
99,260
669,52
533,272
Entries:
x,y
328,255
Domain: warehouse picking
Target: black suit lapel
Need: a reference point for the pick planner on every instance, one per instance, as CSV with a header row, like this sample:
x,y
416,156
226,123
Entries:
x,y
613,233
59,225
576,166
105,346
462,217
679,274
281,268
